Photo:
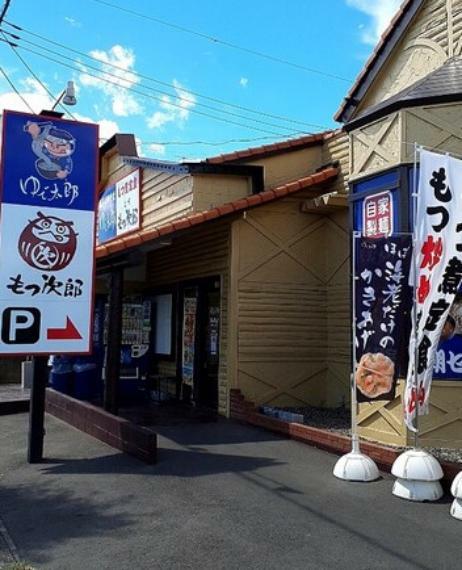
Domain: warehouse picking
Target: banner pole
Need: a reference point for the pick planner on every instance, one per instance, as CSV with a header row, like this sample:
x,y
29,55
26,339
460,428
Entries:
x,y
414,308
354,400
355,466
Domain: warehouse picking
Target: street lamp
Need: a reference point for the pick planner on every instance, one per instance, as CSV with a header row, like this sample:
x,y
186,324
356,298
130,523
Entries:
x,y
67,96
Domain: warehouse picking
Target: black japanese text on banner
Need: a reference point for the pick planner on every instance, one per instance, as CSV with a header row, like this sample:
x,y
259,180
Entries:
x,y
438,251
383,303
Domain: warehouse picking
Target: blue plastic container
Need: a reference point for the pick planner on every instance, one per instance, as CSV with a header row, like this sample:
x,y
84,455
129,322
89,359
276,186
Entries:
x,y
62,381
85,381
61,375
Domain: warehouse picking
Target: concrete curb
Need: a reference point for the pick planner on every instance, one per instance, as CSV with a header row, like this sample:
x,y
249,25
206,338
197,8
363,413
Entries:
x,y
245,411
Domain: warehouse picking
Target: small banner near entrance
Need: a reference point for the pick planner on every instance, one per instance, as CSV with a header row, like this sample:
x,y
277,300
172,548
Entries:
x,y
439,271
383,304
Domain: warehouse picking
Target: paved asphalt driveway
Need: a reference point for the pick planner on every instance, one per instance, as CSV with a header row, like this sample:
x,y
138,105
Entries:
x,y
222,496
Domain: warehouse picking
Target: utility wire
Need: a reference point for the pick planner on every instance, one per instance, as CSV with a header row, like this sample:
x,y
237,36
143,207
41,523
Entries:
x,y
152,79
217,40
205,143
36,77
122,80
6,5
12,85
144,94
208,143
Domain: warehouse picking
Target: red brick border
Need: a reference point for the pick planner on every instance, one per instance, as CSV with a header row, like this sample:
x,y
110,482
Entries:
x,y
116,432
245,411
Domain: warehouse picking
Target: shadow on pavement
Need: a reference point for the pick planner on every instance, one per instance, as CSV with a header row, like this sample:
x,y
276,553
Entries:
x,y
223,431
171,462
40,517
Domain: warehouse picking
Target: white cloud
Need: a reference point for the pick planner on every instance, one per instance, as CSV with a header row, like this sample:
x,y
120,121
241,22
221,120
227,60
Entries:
x,y
243,81
381,12
107,128
73,22
30,90
124,104
157,148
173,109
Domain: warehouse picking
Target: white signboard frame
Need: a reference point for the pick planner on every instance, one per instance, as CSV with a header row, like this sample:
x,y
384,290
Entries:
x,y
47,235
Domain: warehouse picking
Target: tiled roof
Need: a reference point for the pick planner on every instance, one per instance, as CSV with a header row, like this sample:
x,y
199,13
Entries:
x,y
392,33
442,85
271,149
143,236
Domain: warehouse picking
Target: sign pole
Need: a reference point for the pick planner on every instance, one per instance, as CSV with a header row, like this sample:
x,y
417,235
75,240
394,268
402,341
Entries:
x,y
37,410
414,311
354,399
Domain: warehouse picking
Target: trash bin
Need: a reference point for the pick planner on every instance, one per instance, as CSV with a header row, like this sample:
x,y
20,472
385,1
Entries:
x,y
61,374
85,380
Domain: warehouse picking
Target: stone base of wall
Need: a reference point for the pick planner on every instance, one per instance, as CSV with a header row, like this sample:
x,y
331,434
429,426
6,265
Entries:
x,y
116,432
245,411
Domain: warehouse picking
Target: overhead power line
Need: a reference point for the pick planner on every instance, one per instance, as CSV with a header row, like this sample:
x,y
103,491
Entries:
x,y
155,80
205,143
117,83
6,5
13,86
36,77
83,68
223,42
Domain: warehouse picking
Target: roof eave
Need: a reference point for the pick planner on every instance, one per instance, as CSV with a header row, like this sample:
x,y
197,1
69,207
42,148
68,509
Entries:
x,y
371,69
401,105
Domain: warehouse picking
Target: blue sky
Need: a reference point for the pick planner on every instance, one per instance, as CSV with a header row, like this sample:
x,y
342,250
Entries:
x,y
333,37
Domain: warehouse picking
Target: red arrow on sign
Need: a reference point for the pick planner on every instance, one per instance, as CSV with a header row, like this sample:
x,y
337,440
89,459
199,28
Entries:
x,y
69,332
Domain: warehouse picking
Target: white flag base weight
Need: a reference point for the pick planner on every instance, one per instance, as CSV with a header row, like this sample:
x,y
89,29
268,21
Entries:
x,y
355,466
418,474
456,491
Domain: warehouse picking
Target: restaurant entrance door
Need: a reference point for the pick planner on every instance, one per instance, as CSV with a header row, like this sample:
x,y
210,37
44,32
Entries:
x,y
200,342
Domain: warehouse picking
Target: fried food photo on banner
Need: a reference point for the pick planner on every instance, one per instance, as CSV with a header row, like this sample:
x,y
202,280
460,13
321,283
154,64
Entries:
x,y
374,374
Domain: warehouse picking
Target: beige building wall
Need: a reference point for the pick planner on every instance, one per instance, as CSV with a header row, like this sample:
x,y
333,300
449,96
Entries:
x,y
289,166
290,347
212,190
165,197
435,36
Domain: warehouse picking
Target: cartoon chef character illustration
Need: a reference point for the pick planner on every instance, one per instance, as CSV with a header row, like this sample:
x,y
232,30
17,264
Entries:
x,y
53,148
48,243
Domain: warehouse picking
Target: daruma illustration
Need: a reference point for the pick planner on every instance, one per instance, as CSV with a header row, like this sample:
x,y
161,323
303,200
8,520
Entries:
x,y
48,243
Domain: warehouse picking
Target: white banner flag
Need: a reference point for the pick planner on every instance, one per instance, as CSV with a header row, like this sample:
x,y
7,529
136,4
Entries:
x,y
439,270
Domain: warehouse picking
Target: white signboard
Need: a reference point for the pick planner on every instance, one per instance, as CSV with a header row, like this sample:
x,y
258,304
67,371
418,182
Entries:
x,y
119,208
128,203
47,235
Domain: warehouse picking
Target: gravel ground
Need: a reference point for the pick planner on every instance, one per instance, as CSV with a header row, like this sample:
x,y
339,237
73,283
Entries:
x,y
339,421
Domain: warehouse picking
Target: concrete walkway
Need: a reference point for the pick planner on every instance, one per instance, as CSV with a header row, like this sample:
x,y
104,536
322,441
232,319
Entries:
x,y
223,496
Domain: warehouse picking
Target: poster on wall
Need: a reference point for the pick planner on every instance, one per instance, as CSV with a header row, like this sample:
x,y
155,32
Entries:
x,y
106,225
47,229
448,359
383,306
439,262
119,208
189,338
